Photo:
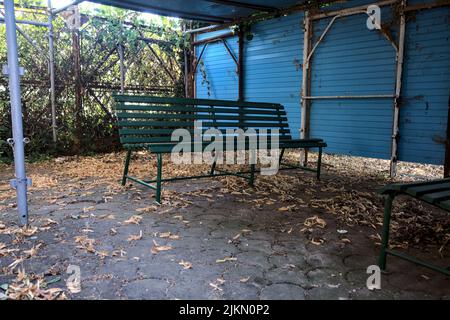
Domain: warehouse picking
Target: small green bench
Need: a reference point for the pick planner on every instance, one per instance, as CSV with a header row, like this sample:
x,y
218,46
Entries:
x,y
435,192
147,122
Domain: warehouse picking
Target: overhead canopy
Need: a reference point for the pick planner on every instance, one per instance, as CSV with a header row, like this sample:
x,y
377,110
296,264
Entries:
x,y
217,11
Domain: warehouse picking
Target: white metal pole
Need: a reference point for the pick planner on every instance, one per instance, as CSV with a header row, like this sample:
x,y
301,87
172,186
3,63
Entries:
x,y
51,55
13,71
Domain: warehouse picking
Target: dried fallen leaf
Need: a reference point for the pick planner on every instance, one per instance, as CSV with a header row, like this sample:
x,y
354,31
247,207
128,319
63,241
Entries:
x,y
169,235
85,243
133,220
102,254
15,263
146,209
157,248
317,241
226,259
185,264
287,208
244,280
315,221
33,251
135,237
27,232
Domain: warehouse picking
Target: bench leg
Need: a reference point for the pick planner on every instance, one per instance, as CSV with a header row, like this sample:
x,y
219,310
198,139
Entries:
x,y
158,177
213,166
251,180
281,157
125,170
319,163
385,232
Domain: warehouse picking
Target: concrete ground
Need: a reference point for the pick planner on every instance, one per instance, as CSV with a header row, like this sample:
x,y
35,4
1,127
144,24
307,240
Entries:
x,y
290,237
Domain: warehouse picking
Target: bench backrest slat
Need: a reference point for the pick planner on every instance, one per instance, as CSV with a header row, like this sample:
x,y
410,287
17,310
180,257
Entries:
x,y
149,119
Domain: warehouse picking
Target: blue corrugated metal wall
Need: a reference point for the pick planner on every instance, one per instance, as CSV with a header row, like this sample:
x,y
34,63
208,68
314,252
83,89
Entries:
x,y
426,87
352,60
216,76
272,65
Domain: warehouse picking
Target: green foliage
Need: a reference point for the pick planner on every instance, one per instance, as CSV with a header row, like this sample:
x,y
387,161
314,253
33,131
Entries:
x,y
89,127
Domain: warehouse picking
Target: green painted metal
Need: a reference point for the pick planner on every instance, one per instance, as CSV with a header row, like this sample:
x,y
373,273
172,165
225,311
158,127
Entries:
x,y
385,232
436,192
144,183
158,177
147,122
419,262
125,170
194,102
179,108
319,163
251,181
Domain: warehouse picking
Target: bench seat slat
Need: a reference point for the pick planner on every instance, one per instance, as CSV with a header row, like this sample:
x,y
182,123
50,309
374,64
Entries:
x,y
150,132
198,116
436,197
187,124
179,108
187,101
429,188
396,187
285,141
167,147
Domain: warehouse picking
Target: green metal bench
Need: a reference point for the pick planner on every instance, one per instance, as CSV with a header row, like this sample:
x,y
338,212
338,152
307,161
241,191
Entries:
x,y
147,122
436,192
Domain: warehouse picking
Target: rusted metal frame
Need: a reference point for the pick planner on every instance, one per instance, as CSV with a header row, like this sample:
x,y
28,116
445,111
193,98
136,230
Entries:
x,y
156,41
230,52
431,5
306,83
398,88
324,33
213,39
240,64
280,12
51,68
199,57
120,49
193,61
335,17
161,63
95,72
135,58
102,106
29,40
186,65
351,11
368,96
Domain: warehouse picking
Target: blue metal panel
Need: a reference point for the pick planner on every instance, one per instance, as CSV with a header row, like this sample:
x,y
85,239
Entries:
x,y
272,64
426,87
344,65
216,76
352,60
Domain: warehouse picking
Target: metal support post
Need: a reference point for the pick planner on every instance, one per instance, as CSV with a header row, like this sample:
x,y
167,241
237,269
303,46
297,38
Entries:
x,y
13,71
